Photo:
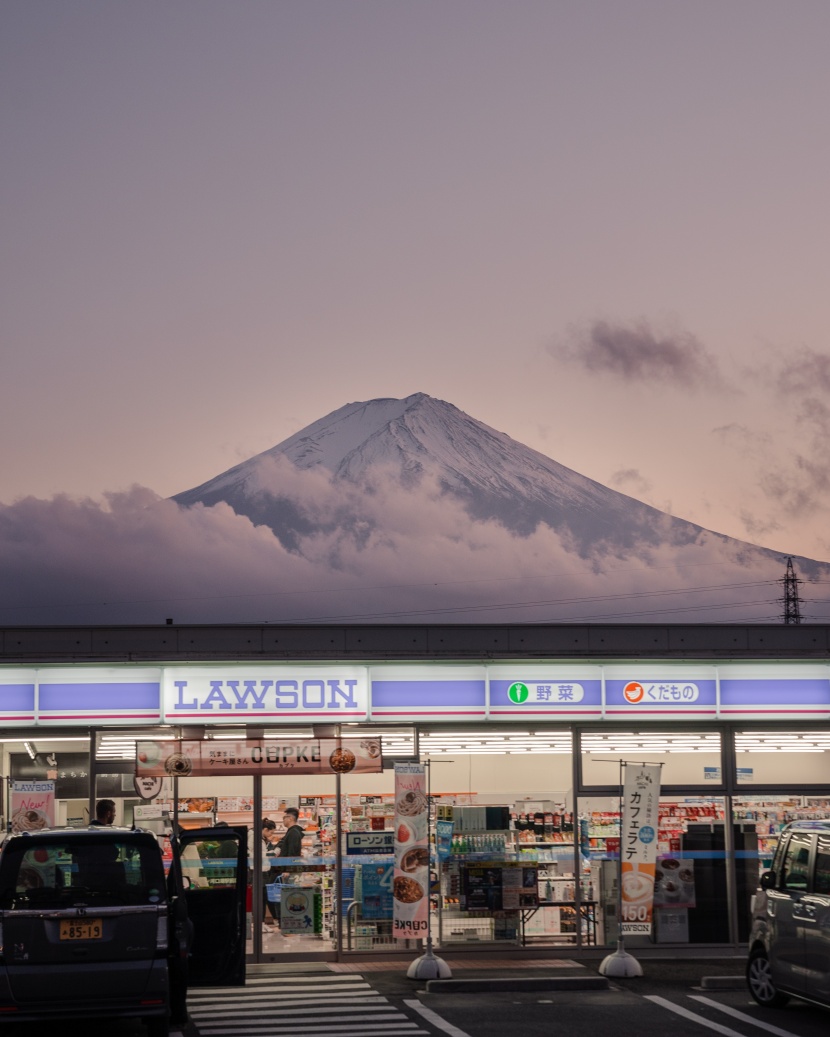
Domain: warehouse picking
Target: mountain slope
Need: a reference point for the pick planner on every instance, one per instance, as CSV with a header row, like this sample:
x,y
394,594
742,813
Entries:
x,y
420,438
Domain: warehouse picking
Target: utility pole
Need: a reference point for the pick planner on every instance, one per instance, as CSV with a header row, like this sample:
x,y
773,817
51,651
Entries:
x,y
792,606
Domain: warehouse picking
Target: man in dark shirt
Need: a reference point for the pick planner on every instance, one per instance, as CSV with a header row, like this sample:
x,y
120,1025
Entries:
x,y
291,844
104,813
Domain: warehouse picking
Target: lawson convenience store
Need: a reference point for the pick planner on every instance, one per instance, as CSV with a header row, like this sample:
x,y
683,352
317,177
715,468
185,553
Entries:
x,y
524,730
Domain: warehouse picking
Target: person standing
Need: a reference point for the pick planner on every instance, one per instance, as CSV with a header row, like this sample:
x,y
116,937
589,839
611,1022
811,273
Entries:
x,y
104,813
291,844
269,875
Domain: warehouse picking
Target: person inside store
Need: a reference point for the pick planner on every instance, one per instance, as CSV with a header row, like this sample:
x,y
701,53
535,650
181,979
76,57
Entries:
x,y
291,844
226,847
270,875
104,813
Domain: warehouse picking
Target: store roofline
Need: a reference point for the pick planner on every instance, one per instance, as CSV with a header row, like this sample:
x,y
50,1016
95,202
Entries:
x,y
427,642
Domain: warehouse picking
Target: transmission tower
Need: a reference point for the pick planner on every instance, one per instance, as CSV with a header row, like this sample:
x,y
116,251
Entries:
x,y
792,606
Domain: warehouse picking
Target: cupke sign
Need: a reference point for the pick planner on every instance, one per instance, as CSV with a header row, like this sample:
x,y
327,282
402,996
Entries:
x,y
185,758
340,693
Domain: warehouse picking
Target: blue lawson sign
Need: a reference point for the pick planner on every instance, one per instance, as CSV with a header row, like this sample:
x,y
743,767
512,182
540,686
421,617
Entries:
x,y
233,693
370,842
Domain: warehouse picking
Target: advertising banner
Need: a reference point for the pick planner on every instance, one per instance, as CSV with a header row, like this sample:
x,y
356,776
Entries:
x,y
297,909
32,806
638,846
185,759
410,886
674,883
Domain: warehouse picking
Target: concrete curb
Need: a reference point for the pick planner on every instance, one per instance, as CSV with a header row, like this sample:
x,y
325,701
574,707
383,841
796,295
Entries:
x,y
494,986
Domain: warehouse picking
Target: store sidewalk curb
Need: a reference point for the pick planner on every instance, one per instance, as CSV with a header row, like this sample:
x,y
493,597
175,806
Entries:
x,y
722,982
518,983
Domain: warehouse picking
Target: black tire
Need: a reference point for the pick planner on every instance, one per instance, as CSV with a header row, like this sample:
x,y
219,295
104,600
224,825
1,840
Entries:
x,y
760,982
158,1026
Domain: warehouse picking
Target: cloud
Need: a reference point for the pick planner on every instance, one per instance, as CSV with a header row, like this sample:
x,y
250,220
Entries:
x,y
637,352
756,527
629,480
402,556
807,371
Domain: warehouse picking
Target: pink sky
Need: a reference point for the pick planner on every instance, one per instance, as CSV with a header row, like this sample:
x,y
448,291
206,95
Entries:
x,y
600,227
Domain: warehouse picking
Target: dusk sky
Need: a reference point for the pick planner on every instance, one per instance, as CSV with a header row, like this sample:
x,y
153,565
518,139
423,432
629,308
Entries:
x,y
601,227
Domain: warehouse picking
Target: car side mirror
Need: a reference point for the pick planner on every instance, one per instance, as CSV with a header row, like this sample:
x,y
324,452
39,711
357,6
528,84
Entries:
x,y
767,880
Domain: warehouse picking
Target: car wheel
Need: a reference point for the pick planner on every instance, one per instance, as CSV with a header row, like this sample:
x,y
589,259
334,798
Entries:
x,y
760,982
158,1026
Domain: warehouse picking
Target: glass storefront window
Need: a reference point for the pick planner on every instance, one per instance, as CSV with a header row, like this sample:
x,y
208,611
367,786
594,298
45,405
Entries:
x,y
510,876
688,758
690,891
767,757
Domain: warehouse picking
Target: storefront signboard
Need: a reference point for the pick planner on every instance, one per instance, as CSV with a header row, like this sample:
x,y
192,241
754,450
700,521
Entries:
x,y
103,695
446,693
370,842
663,692
32,806
410,891
17,697
638,846
186,759
773,691
306,693
279,693
544,691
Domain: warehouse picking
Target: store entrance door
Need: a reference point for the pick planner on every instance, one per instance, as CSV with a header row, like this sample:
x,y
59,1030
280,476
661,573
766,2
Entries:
x,y
213,865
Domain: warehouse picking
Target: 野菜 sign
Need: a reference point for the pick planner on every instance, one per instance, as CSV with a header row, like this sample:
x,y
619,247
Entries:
x,y
186,759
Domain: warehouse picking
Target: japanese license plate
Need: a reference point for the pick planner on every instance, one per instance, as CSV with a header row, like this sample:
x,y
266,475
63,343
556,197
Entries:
x,y
88,929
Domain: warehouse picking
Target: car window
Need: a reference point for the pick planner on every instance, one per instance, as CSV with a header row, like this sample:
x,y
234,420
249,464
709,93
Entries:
x,y
34,874
795,873
210,863
821,879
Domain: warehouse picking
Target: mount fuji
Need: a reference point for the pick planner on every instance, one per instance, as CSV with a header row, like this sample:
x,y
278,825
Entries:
x,y
359,460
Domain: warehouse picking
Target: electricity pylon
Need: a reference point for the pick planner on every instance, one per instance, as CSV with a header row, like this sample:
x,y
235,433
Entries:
x,y
792,606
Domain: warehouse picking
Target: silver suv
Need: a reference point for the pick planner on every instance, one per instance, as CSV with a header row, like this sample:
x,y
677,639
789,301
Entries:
x,y
789,943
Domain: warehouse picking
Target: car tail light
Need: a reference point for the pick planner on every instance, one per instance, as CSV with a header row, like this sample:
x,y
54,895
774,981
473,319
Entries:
x,y
1,940
161,933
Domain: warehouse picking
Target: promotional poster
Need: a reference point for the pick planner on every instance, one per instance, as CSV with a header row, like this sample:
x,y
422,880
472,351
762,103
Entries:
x,y
199,759
410,894
638,846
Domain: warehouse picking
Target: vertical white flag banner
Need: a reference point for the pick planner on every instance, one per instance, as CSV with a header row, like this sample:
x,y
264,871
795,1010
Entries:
x,y
410,886
638,846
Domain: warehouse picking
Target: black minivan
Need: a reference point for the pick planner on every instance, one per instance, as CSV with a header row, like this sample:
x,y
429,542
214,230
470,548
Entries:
x,y
789,945
93,925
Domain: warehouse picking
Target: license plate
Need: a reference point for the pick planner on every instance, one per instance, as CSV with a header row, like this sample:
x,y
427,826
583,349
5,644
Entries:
x,y
89,929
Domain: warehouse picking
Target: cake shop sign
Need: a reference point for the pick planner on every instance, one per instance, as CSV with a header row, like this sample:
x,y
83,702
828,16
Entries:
x,y
186,758
275,692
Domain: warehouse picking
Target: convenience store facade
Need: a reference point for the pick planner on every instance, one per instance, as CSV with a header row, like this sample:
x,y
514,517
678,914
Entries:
x,y
524,729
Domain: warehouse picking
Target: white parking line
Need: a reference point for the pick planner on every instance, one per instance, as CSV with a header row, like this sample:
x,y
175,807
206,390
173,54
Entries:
x,y
435,1019
742,1016
672,1007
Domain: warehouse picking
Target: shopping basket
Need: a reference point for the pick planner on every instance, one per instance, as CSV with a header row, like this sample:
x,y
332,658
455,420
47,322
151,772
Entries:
x,y
273,892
